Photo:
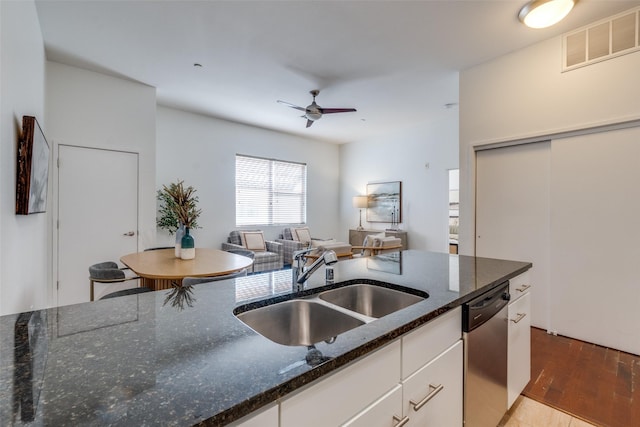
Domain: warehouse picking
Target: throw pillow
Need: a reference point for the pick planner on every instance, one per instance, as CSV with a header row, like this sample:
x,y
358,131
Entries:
x,y
303,234
254,241
317,243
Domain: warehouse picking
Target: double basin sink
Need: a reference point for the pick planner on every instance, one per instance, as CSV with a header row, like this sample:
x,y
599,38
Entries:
x,y
325,315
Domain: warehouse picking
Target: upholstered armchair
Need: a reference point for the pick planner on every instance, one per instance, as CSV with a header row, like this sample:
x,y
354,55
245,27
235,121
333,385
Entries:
x,y
268,255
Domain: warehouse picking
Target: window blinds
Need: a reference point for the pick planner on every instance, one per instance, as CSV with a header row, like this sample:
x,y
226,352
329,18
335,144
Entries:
x,y
270,192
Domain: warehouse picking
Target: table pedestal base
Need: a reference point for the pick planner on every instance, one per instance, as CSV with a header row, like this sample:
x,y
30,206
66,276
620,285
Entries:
x,y
159,284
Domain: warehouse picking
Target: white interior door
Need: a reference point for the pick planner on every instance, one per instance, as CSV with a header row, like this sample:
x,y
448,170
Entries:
x,y
512,213
97,214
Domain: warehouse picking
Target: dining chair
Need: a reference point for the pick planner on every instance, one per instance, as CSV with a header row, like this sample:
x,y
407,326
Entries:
x,y
107,272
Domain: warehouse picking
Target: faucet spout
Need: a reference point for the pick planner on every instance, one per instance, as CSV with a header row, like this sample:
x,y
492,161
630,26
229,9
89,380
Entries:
x,y
328,257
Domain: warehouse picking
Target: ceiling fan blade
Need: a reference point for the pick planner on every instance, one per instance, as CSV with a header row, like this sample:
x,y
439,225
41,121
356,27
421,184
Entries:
x,y
288,104
309,123
337,110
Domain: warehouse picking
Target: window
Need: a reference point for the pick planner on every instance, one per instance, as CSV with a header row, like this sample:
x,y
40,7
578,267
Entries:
x,y
270,192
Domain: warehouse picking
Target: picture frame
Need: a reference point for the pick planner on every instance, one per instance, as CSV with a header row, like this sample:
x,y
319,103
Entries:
x,y
32,169
384,202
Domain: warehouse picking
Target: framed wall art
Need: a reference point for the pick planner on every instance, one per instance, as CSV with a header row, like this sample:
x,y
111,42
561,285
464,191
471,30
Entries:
x,y
32,169
384,202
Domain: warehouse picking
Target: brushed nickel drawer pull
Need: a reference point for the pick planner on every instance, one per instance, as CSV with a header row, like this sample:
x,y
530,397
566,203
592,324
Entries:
x,y
400,421
435,389
519,317
523,288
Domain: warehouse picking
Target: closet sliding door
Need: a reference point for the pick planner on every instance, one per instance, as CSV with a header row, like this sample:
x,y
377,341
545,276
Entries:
x,y
512,213
595,238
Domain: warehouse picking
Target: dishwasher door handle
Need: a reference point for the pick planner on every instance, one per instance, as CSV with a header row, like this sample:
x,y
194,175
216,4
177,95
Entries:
x,y
434,389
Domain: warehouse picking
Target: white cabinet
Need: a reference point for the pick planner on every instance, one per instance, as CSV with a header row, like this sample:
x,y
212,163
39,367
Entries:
x,y
264,418
432,374
424,367
384,412
423,344
433,395
519,350
337,398
519,336
520,285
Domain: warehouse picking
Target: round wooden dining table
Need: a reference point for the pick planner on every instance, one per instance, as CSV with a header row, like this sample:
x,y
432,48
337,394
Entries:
x,y
160,269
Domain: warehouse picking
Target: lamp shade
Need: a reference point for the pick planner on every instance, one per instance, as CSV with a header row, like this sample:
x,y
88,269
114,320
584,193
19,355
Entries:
x,y
545,13
360,202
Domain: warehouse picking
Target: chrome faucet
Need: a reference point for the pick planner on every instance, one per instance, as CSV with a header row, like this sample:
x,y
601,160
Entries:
x,y
328,257
297,267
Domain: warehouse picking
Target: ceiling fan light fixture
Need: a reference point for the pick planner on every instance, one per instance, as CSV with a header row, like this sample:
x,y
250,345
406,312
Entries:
x,y
545,13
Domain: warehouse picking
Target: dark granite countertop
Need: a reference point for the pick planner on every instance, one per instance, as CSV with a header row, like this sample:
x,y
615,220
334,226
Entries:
x,y
137,361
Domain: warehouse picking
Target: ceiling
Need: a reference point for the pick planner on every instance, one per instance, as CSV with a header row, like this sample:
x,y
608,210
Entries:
x,y
397,62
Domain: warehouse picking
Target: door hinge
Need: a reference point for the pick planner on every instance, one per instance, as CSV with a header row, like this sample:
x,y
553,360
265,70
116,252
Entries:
x,y
58,285
58,224
58,162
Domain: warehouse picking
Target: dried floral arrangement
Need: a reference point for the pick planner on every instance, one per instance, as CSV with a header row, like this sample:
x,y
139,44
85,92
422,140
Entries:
x,y
178,205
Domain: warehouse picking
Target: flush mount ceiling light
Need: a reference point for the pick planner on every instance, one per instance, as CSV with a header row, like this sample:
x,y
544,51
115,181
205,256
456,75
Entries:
x,y
545,13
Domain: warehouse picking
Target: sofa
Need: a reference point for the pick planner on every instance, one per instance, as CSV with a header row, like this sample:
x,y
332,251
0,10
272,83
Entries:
x,y
374,244
268,255
299,238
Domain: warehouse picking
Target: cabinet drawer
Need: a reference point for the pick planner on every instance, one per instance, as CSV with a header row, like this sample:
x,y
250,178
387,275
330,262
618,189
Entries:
x,y
345,393
264,418
519,285
519,350
382,412
433,395
425,343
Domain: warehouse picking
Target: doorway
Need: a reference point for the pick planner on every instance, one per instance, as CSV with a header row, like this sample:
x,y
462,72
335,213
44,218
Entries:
x,y
454,209
97,216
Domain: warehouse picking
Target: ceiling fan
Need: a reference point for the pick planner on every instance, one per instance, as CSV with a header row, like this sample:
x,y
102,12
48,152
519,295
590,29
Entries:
x,y
313,111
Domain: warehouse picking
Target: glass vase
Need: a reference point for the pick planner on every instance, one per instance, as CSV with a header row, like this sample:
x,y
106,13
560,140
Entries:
x,y
188,248
179,235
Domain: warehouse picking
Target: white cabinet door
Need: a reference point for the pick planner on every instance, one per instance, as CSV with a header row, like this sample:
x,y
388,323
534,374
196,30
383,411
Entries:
x,y
520,285
433,395
342,395
384,412
519,350
266,418
428,341
513,213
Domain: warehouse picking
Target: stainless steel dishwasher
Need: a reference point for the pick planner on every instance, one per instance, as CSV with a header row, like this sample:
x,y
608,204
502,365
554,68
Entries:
x,y
484,326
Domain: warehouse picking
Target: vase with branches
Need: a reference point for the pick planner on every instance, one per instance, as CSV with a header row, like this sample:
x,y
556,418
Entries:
x,y
178,212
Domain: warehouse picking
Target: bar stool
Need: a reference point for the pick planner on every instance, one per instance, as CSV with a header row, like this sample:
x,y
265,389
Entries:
x,y
107,272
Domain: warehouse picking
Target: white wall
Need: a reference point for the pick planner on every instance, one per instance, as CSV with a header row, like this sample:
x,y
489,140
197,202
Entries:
x,y
201,151
524,95
24,257
402,157
95,110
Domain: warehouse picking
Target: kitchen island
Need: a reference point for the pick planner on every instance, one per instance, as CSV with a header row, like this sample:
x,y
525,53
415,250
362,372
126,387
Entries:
x,y
137,360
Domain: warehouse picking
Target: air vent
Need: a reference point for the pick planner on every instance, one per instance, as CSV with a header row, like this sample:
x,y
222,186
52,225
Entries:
x,y
602,40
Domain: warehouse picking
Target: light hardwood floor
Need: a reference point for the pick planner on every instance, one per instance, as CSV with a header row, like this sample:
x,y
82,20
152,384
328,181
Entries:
x,y
526,412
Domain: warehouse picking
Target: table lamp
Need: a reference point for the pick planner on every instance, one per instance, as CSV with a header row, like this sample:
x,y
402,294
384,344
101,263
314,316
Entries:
x,y
360,202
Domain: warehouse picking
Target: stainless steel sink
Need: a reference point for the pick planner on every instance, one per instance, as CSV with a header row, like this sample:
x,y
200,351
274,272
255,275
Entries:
x,y
372,301
298,322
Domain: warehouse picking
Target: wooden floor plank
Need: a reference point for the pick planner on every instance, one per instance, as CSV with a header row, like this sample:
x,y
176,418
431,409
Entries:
x,y
595,383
